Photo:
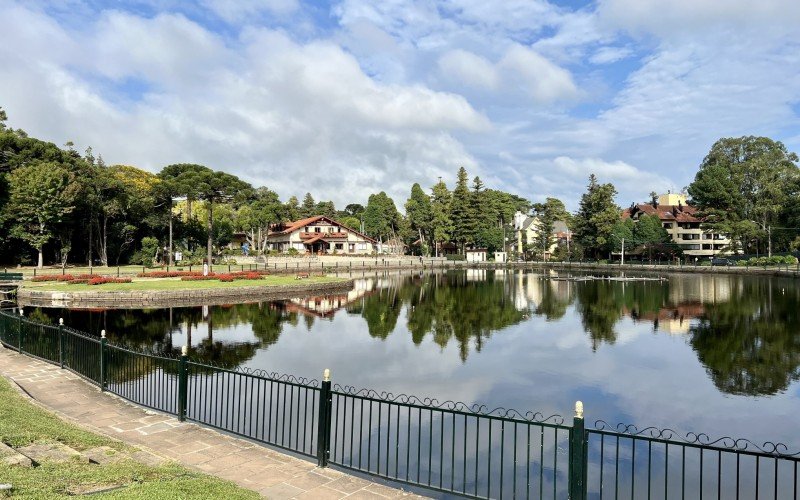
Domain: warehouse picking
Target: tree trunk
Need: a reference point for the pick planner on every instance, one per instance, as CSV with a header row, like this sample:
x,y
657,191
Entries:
x,y
210,227
104,243
91,220
170,232
41,258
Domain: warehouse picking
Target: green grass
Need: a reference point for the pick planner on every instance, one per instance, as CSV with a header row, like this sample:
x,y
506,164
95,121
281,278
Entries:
x,y
23,423
144,284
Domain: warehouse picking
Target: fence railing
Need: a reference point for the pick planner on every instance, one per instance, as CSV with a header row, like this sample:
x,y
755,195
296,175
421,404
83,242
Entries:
x,y
447,447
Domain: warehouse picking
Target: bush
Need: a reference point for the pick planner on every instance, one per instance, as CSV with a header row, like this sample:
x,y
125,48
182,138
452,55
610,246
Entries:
x,y
200,277
168,274
225,278
78,281
148,252
455,256
53,277
102,280
292,252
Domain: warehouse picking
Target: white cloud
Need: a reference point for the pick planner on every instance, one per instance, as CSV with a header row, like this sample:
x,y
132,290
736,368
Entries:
x,y
538,77
625,177
296,117
468,68
609,54
687,16
241,10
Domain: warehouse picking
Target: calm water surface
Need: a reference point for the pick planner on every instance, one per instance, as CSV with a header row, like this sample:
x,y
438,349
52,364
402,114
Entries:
x,y
717,354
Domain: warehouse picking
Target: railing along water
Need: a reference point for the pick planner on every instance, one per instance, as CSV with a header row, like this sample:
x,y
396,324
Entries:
x,y
449,447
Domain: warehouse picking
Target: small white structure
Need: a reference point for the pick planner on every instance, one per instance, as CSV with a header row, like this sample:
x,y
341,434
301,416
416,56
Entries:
x,y
500,257
476,255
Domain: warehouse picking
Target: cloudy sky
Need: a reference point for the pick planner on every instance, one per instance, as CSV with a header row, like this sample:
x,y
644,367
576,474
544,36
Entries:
x,y
350,97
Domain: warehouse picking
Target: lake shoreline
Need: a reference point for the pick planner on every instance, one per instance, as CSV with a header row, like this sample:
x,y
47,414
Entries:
x,y
30,297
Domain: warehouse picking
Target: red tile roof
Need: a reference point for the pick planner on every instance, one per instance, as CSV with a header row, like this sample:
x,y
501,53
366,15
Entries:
x,y
677,213
290,227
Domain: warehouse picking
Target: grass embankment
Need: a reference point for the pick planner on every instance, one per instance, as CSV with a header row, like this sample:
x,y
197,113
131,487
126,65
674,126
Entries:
x,y
153,284
22,423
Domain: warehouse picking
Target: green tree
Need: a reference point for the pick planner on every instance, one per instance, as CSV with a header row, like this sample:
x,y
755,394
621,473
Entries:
x,y
441,223
420,216
326,208
649,232
292,209
381,218
42,195
309,207
596,217
461,213
744,185
548,213
255,217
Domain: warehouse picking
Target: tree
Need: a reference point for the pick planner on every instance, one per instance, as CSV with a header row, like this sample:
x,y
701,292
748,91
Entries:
x,y
202,183
597,215
42,195
441,223
461,213
326,208
744,185
255,218
381,218
292,209
649,232
309,207
420,215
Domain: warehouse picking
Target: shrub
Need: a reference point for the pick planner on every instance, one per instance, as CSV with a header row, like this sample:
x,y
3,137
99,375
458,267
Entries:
x,y
78,281
225,278
102,280
168,274
292,252
53,277
148,252
211,276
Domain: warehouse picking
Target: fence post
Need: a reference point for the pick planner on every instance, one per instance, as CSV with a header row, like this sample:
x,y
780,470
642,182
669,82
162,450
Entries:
x,y
61,342
183,383
324,425
19,331
578,450
102,360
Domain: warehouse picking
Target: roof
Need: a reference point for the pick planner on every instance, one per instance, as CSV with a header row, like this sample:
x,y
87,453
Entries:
x,y
669,213
290,227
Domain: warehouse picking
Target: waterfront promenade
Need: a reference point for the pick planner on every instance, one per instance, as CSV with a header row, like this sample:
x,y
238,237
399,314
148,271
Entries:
x,y
273,474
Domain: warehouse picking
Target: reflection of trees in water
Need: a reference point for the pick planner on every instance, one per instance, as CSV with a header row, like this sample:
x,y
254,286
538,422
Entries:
x,y
750,344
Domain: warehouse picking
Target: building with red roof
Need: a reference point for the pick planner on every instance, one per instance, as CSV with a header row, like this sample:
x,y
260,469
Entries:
x,y
319,235
682,224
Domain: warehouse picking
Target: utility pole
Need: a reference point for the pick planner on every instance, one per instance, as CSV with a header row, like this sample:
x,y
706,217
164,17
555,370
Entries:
x,y
622,258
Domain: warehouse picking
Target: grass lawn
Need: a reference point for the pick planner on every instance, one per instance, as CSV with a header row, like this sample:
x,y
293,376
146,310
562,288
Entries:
x,y
22,423
140,284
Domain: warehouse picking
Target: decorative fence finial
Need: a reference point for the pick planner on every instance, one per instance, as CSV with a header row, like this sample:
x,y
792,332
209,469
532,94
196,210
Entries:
x,y
102,334
61,321
184,350
578,409
326,375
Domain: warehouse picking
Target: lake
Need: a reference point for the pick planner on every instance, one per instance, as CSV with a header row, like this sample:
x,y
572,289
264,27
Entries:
x,y
718,354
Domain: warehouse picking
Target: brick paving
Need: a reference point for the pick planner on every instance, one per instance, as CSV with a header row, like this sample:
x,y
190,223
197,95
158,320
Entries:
x,y
272,474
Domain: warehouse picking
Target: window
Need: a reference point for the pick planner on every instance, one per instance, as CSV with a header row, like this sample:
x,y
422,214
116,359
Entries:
x,y
706,236
340,246
668,225
317,230
330,229
706,246
362,246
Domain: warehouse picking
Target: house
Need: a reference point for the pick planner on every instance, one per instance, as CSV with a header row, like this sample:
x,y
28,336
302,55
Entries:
x,y
319,235
682,224
527,229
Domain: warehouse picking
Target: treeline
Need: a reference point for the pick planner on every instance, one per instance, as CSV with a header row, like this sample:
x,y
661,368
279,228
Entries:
x,y
61,206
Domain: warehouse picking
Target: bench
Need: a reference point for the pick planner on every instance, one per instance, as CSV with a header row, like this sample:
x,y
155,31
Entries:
x,y
10,276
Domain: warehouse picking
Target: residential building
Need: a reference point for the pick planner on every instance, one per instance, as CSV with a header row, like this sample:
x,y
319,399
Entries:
x,y
527,229
682,224
317,235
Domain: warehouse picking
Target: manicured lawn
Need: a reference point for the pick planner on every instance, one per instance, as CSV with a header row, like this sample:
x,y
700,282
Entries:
x,y
22,423
142,284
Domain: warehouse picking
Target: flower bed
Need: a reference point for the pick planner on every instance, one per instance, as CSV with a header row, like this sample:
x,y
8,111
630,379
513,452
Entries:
x,y
168,274
102,280
211,276
53,277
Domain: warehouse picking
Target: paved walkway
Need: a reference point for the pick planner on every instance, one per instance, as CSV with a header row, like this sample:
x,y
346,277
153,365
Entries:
x,y
270,473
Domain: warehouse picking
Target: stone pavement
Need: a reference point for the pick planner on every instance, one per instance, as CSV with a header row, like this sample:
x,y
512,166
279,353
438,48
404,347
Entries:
x,y
272,474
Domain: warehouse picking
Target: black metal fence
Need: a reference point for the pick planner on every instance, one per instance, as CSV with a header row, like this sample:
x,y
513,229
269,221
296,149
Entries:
x,y
449,447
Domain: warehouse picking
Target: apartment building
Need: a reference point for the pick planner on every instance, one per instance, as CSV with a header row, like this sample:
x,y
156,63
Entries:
x,y
682,224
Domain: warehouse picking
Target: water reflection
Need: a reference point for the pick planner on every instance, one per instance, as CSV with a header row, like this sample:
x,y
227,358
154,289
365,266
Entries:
x,y
744,330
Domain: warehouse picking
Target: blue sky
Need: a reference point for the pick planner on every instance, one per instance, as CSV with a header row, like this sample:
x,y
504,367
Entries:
x,y
351,97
